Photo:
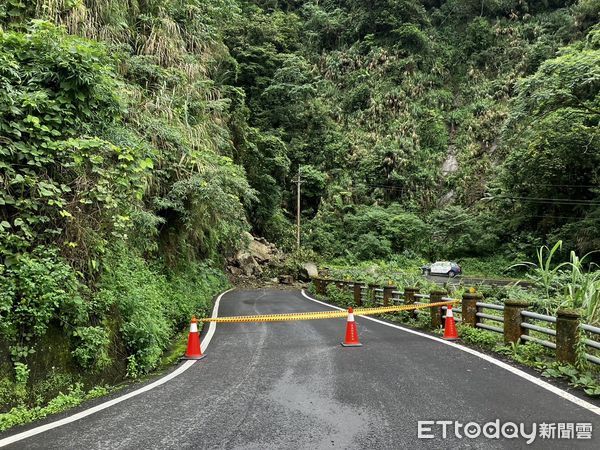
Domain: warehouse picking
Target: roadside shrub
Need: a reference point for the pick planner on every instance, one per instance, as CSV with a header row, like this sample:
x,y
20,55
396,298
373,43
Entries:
x,y
529,353
35,289
91,350
149,305
75,395
457,232
191,289
496,266
139,298
340,297
587,380
477,337
370,246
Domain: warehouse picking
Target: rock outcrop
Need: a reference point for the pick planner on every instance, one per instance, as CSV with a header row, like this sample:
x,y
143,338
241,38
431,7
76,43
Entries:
x,y
308,271
251,261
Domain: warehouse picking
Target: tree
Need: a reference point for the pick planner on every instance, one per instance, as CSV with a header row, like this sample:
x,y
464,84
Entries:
x,y
553,137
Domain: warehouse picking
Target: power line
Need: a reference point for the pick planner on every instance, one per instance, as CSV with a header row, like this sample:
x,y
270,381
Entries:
x,y
597,186
560,217
399,188
557,201
380,186
541,200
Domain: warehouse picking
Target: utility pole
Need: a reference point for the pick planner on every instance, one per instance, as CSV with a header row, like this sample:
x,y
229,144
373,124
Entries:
x,y
298,182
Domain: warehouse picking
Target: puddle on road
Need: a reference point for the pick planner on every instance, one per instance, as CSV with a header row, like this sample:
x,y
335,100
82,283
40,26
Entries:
x,y
339,423
296,404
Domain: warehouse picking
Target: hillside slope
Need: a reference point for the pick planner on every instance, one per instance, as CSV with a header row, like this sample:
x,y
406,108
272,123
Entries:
x,y
140,139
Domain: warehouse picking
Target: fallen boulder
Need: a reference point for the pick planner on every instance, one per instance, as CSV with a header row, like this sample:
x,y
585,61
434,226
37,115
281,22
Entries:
x,y
286,279
249,261
308,271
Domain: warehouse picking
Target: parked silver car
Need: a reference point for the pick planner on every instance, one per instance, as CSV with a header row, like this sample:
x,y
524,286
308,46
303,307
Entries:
x,y
442,268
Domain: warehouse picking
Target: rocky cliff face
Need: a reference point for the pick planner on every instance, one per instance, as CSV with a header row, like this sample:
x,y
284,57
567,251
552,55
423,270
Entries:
x,y
251,261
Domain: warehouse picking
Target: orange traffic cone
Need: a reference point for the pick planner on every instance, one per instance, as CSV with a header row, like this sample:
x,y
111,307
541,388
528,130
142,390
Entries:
x,y
351,332
193,348
450,326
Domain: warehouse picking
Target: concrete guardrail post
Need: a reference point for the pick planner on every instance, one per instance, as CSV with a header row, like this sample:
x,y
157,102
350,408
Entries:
x,y
410,299
357,294
567,335
317,283
388,293
470,309
513,320
324,284
409,295
371,292
436,312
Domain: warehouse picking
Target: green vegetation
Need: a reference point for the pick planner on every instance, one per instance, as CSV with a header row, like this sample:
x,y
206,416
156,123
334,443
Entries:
x,y
75,395
484,339
140,139
64,334
118,192
566,285
586,380
371,101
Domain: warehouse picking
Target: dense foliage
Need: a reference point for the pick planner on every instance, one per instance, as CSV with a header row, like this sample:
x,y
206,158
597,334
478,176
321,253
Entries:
x,y
117,186
139,139
439,110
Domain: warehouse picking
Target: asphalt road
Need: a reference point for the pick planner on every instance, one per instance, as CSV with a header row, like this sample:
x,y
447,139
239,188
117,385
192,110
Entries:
x,y
291,385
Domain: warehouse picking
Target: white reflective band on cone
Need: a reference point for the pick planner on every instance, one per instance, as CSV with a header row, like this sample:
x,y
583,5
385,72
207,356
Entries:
x,y
449,312
194,327
351,317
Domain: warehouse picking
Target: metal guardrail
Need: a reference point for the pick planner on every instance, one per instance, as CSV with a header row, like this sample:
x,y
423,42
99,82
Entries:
x,y
490,317
544,330
592,358
540,329
490,306
542,317
489,327
526,319
529,326
590,328
481,315
590,343
548,344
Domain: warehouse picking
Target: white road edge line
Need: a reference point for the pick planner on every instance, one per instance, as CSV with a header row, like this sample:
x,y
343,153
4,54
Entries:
x,y
541,383
88,412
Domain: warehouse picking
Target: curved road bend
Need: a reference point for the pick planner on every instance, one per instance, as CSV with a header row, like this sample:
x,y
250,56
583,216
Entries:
x,y
291,385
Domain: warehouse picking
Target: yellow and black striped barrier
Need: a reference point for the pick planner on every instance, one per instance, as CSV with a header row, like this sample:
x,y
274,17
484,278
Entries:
x,y
323,314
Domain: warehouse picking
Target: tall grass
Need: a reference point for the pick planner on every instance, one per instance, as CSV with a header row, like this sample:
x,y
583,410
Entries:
x,y
570,284
543,273
583,288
